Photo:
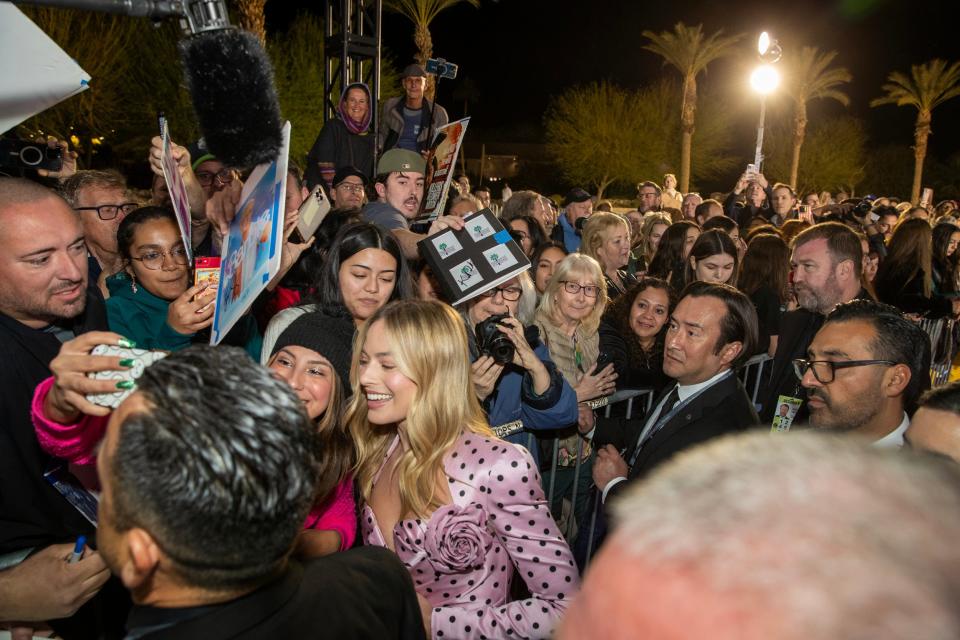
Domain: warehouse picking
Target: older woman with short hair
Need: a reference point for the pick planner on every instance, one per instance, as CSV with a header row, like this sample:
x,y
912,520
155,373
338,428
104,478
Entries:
x,y
606,239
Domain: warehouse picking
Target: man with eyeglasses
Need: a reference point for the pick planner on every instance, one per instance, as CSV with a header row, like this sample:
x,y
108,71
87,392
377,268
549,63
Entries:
x,y
864,372
102,199
45,301
827,261
648,195
349,188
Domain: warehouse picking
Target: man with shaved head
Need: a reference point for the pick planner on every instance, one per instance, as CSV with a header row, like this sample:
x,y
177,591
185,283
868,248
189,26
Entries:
x,y
45,301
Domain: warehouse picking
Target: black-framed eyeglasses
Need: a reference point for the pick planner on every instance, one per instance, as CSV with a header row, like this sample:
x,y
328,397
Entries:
x,y
573,288
825,370
110,211
206,178
153,259
510,294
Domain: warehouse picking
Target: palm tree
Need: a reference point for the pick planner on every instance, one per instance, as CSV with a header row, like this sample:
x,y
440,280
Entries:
x,y
810,78
422,13
690,51
251,18
928,86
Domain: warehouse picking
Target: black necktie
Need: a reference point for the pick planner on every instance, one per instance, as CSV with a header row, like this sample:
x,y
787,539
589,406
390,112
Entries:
x,y
672,399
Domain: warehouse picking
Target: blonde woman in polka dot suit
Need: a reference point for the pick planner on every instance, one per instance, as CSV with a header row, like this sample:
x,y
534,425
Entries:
x,y
461,508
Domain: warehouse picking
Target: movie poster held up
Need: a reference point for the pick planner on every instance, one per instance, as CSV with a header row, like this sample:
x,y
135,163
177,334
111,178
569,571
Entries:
x,y
442,164
251,251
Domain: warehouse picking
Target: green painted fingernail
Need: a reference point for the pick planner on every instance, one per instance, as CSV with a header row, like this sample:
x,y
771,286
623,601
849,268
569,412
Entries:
x,y
126,384
127,343
127,362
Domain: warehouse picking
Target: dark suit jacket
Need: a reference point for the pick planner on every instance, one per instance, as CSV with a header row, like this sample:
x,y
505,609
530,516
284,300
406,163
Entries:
x,y
721,409
32,512
360,593
797,329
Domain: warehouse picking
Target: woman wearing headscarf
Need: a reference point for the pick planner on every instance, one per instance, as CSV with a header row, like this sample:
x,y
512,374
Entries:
x,y
344,141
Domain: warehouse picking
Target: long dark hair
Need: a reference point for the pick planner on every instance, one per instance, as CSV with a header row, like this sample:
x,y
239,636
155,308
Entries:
x,y
945,268
669,255
305,273
909,254
538,235
766,264
618,314
714,242
351,240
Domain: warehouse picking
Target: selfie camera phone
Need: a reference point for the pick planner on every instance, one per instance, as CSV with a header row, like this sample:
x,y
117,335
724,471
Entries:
x,y
206,269
311,213
141,360
441,68
25,154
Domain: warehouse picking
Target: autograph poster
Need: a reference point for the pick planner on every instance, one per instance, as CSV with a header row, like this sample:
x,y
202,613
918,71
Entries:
x,y
443,164
251,250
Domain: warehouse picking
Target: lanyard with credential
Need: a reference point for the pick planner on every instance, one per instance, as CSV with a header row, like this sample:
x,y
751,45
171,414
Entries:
x,y
662,420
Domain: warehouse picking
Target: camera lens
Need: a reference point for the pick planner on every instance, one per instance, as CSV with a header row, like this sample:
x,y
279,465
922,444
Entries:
x,y
31,156
501,350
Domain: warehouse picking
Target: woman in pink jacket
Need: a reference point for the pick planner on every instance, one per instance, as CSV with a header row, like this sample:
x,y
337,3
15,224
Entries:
x,y
312,355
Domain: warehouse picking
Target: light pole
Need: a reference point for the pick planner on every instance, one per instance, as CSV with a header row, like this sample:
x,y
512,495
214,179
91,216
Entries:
x,y
764,80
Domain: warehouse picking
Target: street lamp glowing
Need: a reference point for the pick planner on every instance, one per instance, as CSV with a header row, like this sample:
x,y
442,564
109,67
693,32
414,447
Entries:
x,y
764,79
764,43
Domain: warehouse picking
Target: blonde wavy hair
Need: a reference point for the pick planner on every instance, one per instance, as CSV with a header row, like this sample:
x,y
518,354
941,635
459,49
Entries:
x,y
428,340
574,267
598,229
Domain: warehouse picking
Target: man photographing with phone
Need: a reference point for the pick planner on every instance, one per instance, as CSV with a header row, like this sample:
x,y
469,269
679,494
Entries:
x,y
406,122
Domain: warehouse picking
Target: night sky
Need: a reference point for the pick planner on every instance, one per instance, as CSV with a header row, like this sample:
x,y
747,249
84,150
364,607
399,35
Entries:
x,y
521,52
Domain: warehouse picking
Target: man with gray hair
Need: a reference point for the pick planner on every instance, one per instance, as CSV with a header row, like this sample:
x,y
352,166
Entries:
x,y
102,200
810,537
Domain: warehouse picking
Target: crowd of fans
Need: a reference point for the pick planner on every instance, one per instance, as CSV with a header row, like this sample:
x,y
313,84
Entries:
x,y
353,458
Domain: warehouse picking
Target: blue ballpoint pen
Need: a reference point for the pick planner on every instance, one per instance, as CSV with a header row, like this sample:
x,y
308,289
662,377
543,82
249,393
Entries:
x,y
78,549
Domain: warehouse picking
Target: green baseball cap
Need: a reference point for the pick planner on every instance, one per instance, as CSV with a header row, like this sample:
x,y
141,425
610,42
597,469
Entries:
x,y
401,160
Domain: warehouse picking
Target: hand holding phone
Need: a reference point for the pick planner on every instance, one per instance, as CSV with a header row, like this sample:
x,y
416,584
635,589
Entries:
x,y
310,215
134,361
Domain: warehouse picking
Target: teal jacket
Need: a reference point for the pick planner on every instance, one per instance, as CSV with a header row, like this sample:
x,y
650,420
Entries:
x,y
142,317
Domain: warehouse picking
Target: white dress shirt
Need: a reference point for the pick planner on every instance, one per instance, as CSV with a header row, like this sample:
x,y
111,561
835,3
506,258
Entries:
x,y
684,392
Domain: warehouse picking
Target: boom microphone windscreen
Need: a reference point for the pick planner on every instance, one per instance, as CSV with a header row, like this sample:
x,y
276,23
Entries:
x,y
231,82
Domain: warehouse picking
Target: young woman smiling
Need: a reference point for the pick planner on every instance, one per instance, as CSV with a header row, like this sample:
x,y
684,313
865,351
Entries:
x,y
459,507
151,301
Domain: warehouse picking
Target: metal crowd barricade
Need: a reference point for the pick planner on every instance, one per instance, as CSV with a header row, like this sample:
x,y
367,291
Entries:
x,y
752,374
941,332
630,397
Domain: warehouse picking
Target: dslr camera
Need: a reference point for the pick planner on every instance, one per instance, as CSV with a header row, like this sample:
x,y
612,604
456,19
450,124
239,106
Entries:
x,y
492,342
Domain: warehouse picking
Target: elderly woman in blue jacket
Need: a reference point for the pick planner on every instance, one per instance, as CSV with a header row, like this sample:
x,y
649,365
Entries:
x,y
528,393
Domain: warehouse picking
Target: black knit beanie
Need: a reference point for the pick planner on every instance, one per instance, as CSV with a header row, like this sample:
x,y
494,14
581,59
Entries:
x,y
329,336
